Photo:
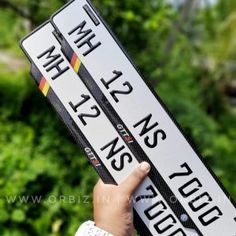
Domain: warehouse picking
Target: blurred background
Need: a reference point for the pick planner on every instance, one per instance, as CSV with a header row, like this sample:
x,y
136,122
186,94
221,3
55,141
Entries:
x,y
185,48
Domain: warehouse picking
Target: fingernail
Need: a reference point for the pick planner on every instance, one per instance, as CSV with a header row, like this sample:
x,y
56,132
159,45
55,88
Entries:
x,y
145,167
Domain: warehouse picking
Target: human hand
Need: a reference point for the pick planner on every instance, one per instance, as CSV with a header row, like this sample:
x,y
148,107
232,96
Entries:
x,y
113,210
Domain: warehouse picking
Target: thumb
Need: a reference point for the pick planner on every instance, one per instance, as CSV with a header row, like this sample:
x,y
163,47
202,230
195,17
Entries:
x,y
135,178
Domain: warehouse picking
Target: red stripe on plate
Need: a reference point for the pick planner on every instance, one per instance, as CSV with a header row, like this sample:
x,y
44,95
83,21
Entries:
x,y
42,83
73,60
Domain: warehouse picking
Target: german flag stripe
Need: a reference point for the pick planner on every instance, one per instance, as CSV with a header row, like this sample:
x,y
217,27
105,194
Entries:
x,y
44,86
42,83
75,63
73,60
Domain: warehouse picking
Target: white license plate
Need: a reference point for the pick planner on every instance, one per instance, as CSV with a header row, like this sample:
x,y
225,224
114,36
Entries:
x,y
146,118
90,127
106,101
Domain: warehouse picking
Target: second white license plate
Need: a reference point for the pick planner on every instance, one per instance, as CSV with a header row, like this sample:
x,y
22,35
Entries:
x,y
146,118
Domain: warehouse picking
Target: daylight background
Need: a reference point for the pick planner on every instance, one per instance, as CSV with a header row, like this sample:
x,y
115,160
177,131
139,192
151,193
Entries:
x,y
185,49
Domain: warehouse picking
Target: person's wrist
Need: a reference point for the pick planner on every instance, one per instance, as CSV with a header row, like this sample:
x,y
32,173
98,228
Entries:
x,y
114,229
106,227
89,228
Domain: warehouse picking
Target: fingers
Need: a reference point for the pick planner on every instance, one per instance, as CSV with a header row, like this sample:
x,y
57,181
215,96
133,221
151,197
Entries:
x,y
135,178
130,184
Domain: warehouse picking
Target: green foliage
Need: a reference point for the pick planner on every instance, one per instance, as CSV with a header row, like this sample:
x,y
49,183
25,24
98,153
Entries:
x,y
186,61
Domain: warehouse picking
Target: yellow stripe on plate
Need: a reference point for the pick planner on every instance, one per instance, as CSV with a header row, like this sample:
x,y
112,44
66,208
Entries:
x,y
77,65
45,89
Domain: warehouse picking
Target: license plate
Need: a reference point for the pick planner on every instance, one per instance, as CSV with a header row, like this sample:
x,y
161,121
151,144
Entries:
x,y
90,127
100,96
145,117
